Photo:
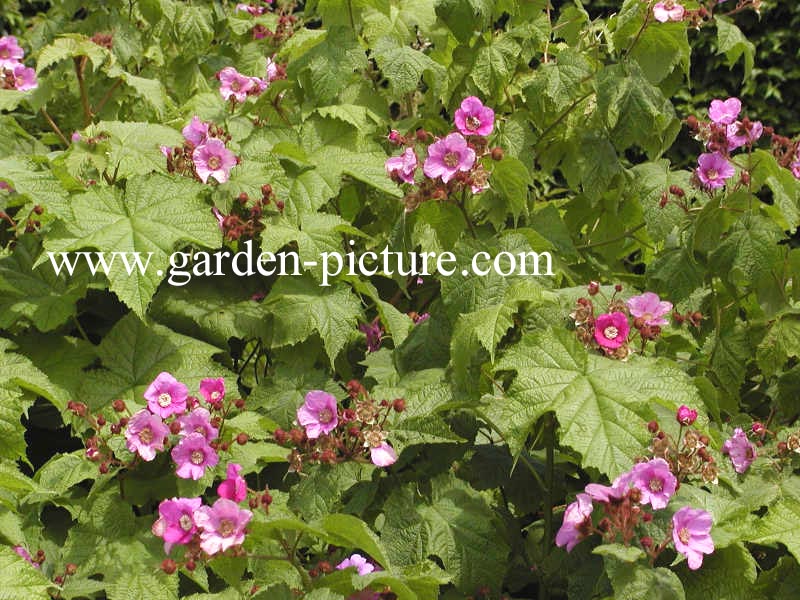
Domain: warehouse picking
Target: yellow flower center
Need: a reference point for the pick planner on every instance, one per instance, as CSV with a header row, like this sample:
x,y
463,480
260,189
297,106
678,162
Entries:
x,y
610,332
451,159
197,457
164,400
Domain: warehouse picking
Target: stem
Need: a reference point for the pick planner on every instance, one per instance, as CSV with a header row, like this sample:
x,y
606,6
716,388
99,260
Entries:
x,y
641,30
107,97
80,66
80,328
54,127
547,509
464,212
350,14
563,115
622,236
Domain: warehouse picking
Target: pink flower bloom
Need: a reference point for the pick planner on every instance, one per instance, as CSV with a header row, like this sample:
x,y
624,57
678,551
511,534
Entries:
x,y
448,156
213,390
10,52
273,72
724,112
222,525
713,170
394,137
616,491
24,78
421,318
213,159
253,10
19,549
196,132
145,434
234,487
611,330
649,307
655,482
361,564
795,167
383,455
175,523
198,421
739,135
668,10
76,137
473,118
259,85
685,415
373,331
577,518
740,450
234,85
403,166
166,396
691,529
318,414
192,455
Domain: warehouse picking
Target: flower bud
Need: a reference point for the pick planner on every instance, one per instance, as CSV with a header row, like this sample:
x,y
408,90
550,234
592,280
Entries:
x,y
239,404
646,541
594,288
758,428
280,436
685,415
118,405
399,405
653,427
175,428
242,438
70,568
497,153
190,565
618,287
677,191
168,566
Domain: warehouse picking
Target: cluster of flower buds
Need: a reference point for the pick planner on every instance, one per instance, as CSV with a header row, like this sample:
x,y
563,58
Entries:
x,y
31,221
688,456
650,483
203,154
245,219
610,331
14,75
283,30
104,40
332,434
453,162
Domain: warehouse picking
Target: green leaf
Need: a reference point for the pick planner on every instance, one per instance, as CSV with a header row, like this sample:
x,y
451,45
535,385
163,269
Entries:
x,y
632,582
151,218
781,342
40,185
12,433
780,524
351,532
301,307
602,405
133,353
141,584
193,27
135,147
495,63
558,83
510,178
330,65
750,252
660,49
404,67
729,574
19,579
733,44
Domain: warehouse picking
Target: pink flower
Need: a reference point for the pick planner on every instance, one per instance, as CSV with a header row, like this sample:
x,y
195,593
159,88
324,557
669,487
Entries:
x,y
213,390
196,132
691,528
421,318
740,135
273,72
145,434
259,85
166,396
740,450
213,159
10,52
175,523
795,167
655,481
19,549
685,415
403,166
234,487
668,10
649,307
447,157
234,85
253,10
318,414
713,170
4,186
373,331
198,421
222,525
383,455
616,491
24,78
577,519
77,137
361,564
473,118
724,112
192,455
611,330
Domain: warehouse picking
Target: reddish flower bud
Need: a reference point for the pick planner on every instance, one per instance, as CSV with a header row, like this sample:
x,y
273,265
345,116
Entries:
x,y
783,448
103,468
70,568
647,517
242,438
243,198
678,317
646,541
253,503
677,191
639,322
313,573
685,415
239,404
168,566
175,428
325,566
664,200
652,426
594,288
279,204
399,405
118,405
225,446
758,428
123,422
497,153
266,499
618,287
280,436
692,123
101,420
190,565
297,436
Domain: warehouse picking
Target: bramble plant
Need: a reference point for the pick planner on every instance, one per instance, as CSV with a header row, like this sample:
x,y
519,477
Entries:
x,y
623,426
